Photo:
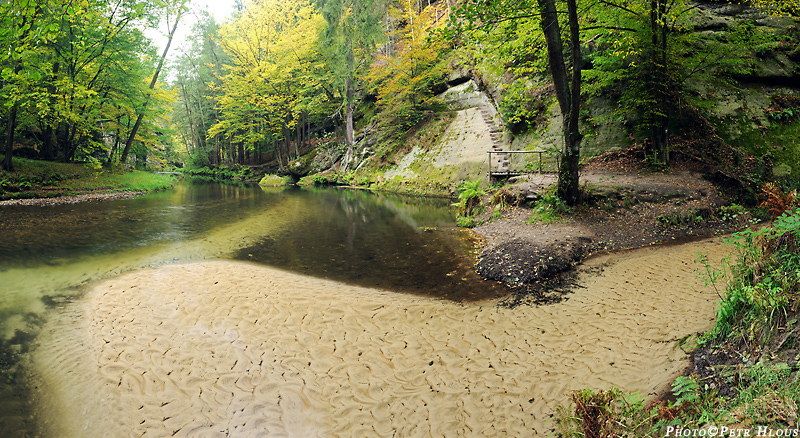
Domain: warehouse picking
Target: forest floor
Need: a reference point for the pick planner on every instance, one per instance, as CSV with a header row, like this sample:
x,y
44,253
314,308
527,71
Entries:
x,y
626,206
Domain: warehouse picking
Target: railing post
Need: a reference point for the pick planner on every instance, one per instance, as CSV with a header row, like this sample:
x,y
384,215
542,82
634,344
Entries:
x,y
489,168
509,172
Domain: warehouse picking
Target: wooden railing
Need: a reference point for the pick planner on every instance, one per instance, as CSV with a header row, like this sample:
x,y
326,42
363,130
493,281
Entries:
x,y
503,167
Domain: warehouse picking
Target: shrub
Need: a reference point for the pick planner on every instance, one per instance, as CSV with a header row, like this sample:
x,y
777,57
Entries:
x,y
775,200
524,108
469,197
549,209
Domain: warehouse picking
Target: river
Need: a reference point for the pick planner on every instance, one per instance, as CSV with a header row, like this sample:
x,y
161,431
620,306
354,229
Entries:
x,y
47,254
240,295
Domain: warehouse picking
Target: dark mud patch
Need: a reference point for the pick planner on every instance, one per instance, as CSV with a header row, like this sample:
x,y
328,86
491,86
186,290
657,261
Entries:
x,y
718,368
15,401
540,273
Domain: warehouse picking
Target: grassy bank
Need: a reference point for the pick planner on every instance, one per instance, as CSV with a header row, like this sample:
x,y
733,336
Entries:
x,y
744,380
45,179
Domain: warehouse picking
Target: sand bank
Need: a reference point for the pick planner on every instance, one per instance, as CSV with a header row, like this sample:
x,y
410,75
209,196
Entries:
x,y
232,349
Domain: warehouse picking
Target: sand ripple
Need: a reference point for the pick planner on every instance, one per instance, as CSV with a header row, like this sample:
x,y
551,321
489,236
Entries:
x,y
231,349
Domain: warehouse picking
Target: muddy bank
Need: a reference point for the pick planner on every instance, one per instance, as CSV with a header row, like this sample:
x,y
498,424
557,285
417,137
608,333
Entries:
x,y
229,348
621,212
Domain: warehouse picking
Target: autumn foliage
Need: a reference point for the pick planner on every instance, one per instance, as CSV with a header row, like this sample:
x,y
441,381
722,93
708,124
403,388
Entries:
x,y
776,201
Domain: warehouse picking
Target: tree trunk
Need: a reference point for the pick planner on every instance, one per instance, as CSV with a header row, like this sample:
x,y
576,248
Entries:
x,y
659,86
308,132
11,126
49,144
298,136
138,123
568,100
278,155
193,144
72,146
349,135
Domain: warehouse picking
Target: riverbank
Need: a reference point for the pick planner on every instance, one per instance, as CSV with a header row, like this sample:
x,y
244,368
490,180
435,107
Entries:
x,y
35,182
73,199
623,209
744,375
241,349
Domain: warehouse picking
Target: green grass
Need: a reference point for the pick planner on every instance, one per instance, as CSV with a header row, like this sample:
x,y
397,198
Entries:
x,y
45,179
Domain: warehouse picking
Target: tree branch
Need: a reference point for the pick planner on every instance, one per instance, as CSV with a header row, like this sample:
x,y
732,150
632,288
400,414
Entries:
x,y
630,11
626,29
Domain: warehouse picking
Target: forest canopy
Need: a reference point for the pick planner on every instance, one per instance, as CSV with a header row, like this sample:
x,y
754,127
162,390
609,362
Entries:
x,y
81,81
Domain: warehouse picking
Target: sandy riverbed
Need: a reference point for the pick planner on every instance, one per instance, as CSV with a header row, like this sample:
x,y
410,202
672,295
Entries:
x,y
232,349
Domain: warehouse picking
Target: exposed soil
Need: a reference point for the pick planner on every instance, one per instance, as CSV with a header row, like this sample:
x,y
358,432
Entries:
x,y
626,206
721,366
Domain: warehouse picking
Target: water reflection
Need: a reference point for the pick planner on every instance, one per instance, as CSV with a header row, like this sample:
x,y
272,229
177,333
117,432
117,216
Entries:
x,y
376,240
392,242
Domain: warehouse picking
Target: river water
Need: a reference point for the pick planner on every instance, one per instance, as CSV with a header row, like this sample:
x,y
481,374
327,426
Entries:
x,y
48,253
222,310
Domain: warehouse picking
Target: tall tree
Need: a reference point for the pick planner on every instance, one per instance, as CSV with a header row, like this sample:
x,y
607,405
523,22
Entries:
x,y
645,36
24,28
566,76
353,32
177,9
96,59
408,71
568,92
199,70
273,80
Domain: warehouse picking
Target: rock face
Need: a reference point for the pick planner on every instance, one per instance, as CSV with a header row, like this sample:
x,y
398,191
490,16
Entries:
x,y
773,63
461,153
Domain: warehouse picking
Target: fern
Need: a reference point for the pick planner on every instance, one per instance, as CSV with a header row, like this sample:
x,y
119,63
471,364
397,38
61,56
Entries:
x,y
775,200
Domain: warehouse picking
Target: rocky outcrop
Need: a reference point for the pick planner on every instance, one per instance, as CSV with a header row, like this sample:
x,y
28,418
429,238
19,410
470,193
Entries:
x,y
461,152
771,63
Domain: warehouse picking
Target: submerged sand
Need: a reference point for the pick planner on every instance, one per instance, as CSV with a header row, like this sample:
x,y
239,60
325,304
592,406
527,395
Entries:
x,y
233,349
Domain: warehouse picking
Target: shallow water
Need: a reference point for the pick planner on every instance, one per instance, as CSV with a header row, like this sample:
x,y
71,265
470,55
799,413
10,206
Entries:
x,y
48,253
237,349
